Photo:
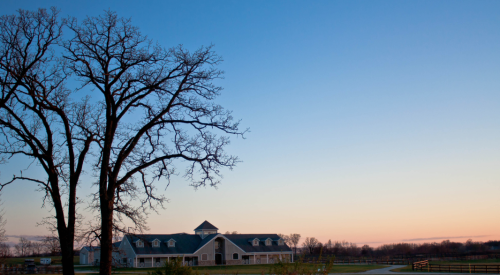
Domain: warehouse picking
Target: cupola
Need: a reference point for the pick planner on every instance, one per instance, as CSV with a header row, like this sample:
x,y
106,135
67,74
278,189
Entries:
x,y
205,229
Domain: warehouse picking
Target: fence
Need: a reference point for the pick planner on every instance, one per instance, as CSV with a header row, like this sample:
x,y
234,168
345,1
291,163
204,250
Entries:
x,y
398,259
456,268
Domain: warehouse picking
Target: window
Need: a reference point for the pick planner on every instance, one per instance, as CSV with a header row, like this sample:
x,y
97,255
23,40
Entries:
x,y
204,257
157,260
235,256
255,242
280,242
171,243
141,260
140,244
217,245
268,242
124,260
156,243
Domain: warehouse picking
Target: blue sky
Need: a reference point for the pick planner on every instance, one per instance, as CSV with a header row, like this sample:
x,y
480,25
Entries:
x,y
371,121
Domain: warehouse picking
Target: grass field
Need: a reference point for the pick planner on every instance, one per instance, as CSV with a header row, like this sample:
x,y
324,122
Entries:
x,y
236,269
55,260
242,269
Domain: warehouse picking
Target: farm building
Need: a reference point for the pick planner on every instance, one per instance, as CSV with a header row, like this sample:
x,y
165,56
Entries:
x,y
203,248
90,255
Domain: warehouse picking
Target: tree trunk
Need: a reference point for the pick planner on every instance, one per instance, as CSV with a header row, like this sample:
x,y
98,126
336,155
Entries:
x,y
67,257
106,236
66,232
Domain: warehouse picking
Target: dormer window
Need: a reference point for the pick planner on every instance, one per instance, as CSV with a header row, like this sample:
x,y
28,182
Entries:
x,y
139,243
254,241
280,242
268,242
171,243
156,243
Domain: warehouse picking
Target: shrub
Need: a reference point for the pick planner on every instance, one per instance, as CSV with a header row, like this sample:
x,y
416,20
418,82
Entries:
x,y
173,267
283,267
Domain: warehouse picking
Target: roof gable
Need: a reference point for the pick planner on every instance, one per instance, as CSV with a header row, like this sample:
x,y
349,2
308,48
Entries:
x,y
206,240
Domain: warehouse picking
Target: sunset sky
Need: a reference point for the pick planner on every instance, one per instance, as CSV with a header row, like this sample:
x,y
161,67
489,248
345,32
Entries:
x,y
370,121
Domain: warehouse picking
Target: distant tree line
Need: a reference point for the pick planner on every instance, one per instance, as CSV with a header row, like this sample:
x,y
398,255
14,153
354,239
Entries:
x,y
45,246
312,246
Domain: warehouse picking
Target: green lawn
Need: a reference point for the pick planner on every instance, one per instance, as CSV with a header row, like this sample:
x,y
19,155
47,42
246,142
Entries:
x,y
245,269
55,260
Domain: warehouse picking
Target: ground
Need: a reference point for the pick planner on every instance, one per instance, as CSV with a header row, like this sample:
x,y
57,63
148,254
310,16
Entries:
x,y
55,260
257,269
240,269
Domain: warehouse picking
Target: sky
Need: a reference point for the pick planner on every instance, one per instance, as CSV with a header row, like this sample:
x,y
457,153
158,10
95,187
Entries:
x,y
370,121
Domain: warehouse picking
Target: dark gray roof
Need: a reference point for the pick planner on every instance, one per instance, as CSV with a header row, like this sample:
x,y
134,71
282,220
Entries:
x,y
184,243
242,241
190,243
94,248
206,225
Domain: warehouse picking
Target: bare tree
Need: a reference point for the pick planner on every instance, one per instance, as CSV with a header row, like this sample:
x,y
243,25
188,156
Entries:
x,y
5,251
310,244
23,247
37,247
39,118
328,248
51,245
294,240
158,107
3,222
18,250
154,106
4,248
